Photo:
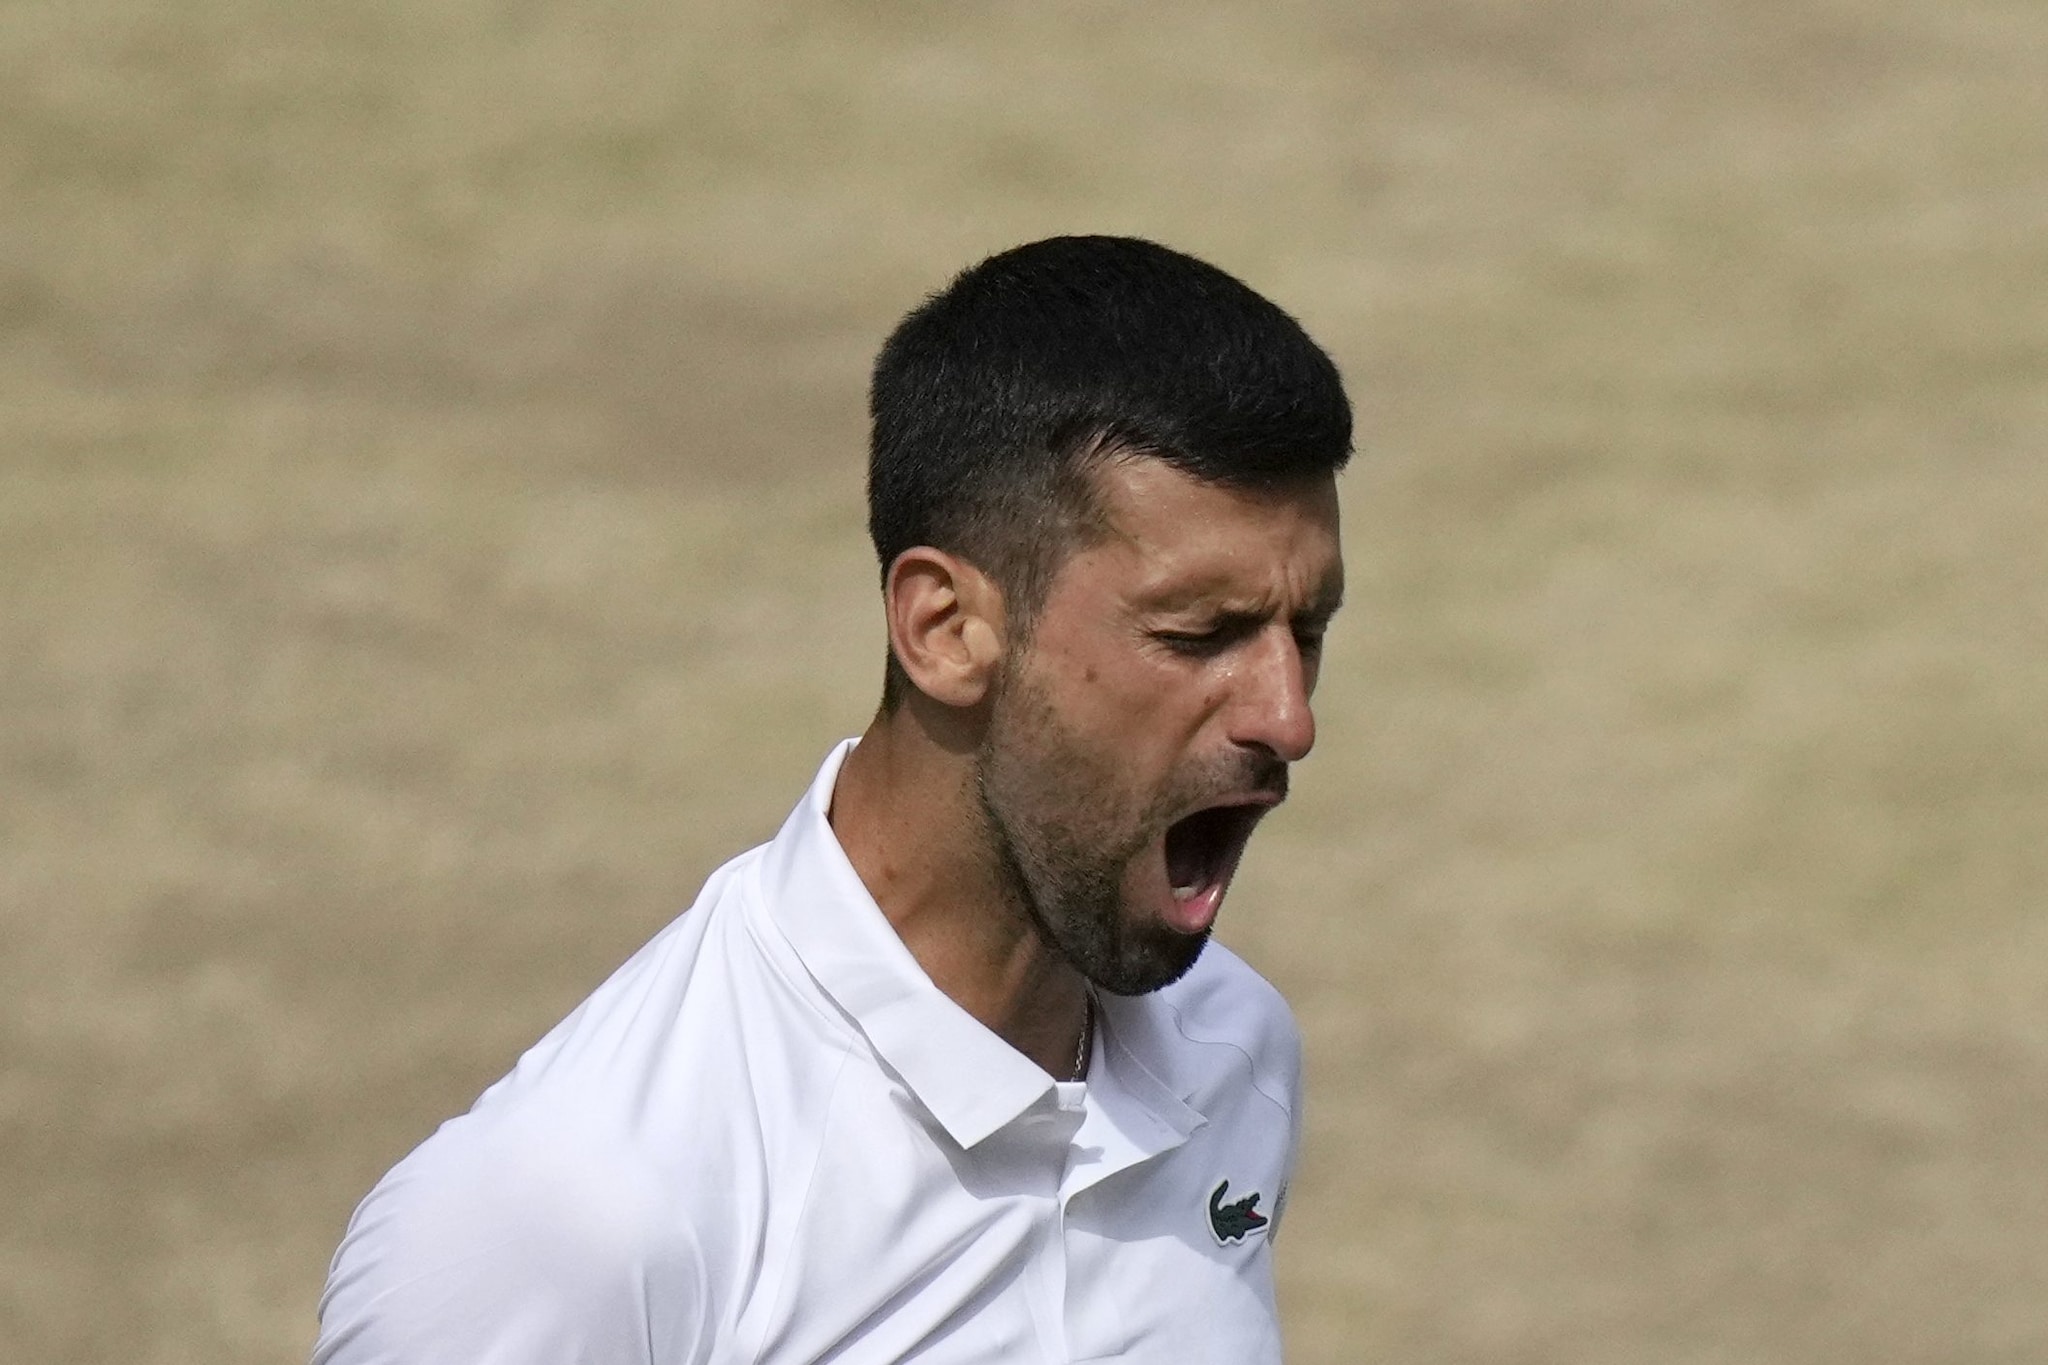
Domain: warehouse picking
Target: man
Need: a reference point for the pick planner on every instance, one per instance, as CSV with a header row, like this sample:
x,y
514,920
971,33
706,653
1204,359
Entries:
x,y
945,1072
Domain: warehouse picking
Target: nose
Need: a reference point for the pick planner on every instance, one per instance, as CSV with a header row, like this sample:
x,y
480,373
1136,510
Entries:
x,y
1270,703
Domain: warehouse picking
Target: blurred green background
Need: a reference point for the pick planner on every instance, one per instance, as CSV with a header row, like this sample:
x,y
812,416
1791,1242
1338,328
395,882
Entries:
x,y
430,540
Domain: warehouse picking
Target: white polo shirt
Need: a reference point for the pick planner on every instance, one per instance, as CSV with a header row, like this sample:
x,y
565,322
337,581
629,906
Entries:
x,y
769,1138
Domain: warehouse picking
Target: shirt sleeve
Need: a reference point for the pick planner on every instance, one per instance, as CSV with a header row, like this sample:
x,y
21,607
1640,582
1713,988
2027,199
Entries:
x,y
482,1251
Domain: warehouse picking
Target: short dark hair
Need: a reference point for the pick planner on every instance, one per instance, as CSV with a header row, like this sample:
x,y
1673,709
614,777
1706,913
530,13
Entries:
x,y
993,402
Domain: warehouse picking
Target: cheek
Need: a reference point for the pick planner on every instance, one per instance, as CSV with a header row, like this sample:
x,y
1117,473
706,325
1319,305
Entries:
x,y
1121,698
1103,692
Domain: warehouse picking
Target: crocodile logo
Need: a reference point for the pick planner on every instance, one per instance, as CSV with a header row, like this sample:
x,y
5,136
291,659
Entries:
x,y
1237,1220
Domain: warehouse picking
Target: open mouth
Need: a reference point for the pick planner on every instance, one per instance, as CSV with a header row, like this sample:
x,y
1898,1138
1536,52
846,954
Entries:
x,y
1202,852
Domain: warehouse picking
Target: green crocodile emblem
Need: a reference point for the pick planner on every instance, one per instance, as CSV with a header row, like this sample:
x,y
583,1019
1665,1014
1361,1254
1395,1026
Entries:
x,y
1235,1221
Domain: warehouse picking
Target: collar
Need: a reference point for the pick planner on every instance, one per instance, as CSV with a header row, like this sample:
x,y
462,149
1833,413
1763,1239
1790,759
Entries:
x,y
970,1080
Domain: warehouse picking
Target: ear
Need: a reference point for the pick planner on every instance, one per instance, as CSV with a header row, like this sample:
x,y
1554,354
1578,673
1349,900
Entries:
x,y
945,625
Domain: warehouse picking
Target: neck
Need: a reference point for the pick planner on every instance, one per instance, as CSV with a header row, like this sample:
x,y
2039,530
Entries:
x,y
907,813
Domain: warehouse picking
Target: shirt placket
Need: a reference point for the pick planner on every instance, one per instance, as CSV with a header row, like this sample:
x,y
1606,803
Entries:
x,y
1116,1133
1051,1133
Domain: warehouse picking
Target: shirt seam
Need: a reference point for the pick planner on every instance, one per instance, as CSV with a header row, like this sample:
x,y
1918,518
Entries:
x,y
1251,1062
781,1289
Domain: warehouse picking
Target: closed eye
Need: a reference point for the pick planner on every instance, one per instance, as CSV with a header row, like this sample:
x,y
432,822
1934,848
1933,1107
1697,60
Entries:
x,y
1311,626
1211,640
1196,644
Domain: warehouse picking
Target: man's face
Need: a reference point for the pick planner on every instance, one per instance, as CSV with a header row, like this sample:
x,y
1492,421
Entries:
x,y
1148,723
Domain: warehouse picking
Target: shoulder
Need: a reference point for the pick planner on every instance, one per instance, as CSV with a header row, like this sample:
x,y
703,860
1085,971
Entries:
x,y
647,1021
516,1242
1223,1014
584,1208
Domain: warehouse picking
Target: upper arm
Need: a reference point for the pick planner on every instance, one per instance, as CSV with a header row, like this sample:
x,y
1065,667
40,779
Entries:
x,y
540,1251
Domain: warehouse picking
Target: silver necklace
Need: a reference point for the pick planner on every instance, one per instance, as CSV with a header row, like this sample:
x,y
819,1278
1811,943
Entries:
x,y
1087,1036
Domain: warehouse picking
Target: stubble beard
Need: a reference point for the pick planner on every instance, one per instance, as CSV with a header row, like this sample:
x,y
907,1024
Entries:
x,y
1061,833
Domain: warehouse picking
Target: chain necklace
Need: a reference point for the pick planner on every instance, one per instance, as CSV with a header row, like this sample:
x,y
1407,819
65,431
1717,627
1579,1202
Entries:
x,y
1087,1036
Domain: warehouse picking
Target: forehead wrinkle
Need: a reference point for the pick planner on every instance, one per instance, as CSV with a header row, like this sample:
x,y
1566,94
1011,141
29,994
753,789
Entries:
x,y
1168,586
1176,571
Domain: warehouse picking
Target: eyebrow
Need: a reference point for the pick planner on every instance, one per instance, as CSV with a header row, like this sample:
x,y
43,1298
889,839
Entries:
x,y
1327,601
1317,614
1322,605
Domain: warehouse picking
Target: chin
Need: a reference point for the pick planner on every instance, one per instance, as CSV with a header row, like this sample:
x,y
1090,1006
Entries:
x,y
1149,962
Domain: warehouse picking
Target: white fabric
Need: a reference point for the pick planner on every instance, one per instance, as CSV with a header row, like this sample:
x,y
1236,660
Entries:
x,y
769,1138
